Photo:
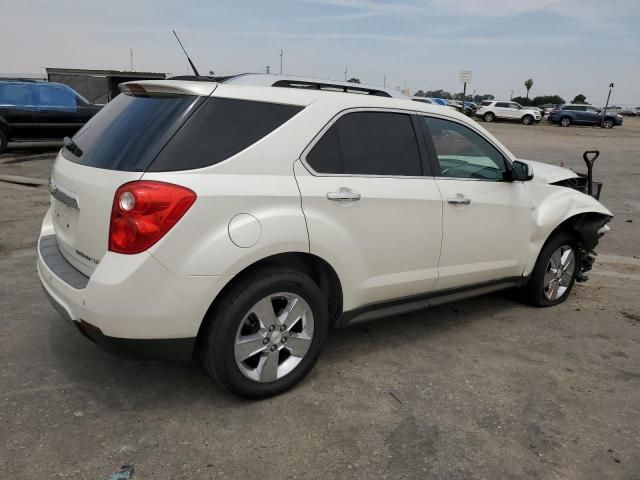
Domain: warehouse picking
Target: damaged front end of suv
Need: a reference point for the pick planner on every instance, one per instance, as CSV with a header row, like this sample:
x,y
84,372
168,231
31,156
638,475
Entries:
x,y
580,213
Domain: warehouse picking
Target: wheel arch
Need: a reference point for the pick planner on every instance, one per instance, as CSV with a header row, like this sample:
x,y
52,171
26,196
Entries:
x,y
584,226
315,267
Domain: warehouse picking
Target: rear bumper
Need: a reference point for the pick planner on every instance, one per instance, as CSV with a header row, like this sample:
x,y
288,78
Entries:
x,y
131,304
171,349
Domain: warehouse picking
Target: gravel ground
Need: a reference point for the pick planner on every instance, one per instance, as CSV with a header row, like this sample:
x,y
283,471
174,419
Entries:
x,y
487,388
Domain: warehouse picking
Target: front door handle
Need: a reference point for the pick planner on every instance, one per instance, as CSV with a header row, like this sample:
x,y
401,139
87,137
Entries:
x,y
459,199
344,195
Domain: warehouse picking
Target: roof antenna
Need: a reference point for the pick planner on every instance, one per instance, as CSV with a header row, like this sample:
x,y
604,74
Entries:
x,y
195,70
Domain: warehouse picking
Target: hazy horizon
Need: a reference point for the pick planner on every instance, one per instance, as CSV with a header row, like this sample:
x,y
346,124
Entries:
x,y
566,46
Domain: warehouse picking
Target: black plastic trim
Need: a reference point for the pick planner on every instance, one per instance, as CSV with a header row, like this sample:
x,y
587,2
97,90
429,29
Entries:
x,y
59,265
164,349
414,303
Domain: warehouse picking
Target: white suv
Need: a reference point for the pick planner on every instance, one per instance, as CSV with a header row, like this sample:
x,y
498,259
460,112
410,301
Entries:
x,y
492,110
238,223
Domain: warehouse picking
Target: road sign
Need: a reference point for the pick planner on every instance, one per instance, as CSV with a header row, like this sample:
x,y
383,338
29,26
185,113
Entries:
x,y
465,76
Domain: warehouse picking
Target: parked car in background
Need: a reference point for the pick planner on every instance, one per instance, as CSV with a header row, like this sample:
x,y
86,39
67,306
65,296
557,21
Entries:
x,y
33,111
236,224
578,114
508,111
423,100
469,107
630,112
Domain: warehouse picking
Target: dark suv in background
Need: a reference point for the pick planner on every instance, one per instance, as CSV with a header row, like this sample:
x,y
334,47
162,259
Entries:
x,y
32,110
583,115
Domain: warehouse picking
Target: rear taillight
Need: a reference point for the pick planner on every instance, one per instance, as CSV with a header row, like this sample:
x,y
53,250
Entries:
x,y
143,212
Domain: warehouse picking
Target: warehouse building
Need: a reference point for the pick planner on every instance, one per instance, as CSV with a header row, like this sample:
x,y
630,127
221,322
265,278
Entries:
x,y
97,86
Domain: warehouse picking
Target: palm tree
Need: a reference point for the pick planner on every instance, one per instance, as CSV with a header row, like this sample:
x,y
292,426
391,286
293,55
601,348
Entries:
x,y
528,84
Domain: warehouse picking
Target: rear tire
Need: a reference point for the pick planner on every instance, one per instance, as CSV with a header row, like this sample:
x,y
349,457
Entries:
x,y
527,120
252,314
488,117
565,121
555,271
4,141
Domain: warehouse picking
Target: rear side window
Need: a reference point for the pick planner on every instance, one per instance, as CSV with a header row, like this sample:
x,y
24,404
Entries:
x,y
17,94
219,129
128,132
368,143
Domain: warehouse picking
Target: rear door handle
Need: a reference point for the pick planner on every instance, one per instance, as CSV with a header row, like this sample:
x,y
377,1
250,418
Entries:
x,y
459,199
344,195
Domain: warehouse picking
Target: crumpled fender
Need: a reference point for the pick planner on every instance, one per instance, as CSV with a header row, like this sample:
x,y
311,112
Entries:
x,y
552,205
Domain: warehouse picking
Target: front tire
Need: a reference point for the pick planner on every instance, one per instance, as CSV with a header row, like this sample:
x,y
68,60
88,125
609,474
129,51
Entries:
x,y
527,120
266,333
554,272
608,123
488,117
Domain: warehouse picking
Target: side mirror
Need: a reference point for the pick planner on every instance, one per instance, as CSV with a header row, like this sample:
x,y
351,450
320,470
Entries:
x,y
521,172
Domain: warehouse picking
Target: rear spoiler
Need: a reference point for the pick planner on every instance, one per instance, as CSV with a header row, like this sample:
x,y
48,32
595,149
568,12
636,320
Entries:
x,y
168,87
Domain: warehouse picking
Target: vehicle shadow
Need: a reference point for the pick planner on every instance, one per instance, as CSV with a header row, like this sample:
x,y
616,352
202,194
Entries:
x,y
18,153
123,384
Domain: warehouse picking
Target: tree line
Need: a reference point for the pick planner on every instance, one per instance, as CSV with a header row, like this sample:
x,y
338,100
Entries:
x,y
525,101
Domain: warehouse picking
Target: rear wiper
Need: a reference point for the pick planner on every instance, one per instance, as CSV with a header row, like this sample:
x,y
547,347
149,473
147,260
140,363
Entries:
x,y
72,146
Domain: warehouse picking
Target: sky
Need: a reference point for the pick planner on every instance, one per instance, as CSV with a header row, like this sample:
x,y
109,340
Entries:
x,y
566,46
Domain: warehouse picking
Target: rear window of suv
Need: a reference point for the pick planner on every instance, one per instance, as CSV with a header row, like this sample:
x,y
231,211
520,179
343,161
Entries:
x,y
128,133
173,132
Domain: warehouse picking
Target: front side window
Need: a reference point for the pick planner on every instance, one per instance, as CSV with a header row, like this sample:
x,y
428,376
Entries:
x,y
463,153
368,143
56,96
515,106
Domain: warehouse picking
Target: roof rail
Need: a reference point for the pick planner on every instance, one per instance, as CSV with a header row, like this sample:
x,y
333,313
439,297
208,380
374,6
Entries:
x,y
332,87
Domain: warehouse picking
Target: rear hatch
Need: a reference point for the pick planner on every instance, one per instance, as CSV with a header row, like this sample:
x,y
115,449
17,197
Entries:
x,y
116,146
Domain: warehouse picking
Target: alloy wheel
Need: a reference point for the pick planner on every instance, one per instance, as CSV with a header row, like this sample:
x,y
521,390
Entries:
x,y
274,337
559,272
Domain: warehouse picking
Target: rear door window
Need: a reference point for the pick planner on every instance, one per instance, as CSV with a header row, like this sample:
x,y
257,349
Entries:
x,y
502,105
368,143
219,129
16,94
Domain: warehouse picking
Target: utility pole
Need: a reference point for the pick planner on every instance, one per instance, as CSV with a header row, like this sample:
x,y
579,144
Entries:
x,y
384,81
604,113
345,73
268,70
131,54
281,55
